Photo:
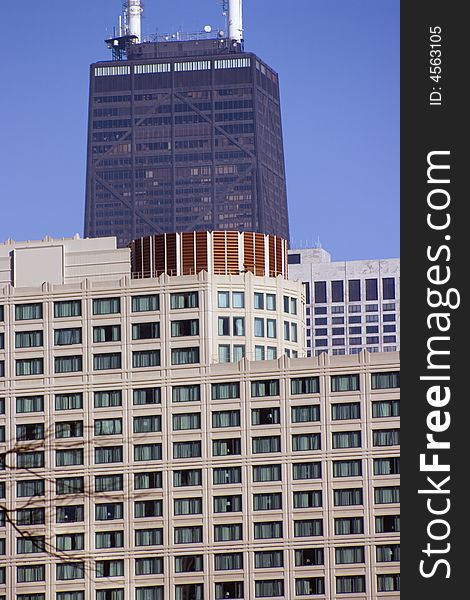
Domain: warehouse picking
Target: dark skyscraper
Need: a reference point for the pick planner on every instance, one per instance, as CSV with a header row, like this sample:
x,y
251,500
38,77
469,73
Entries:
x,y
184,135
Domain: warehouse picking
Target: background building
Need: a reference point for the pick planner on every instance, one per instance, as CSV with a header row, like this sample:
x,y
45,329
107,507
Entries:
x,y
350,305
137,466
184,135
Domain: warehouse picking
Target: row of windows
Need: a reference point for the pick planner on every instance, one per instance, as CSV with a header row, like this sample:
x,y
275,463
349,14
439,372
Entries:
x,y
220,391
354,290
310,586
220,476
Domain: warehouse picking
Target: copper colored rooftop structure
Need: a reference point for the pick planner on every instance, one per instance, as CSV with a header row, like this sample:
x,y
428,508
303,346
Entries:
x,y
217,252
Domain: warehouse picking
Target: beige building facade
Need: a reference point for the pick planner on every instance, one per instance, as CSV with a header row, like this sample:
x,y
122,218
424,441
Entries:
x,y
148,451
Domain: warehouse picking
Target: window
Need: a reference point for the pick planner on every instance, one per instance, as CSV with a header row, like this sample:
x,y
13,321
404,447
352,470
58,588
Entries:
x,y
30,366
106,306
349,526
67,308
145,359
69,542
258,300
109,539
267,501
229,589
344,383
68,458
270,301
109,568
112,360
70,485
308,528
31,516
149,537
346,439
266,416
145,303
223,299
108,483
224,353
382,381
186,449
388,288
388,553
386,437
67,337
223,327
30,460
337,291
228,562
310,470
113,594
193,591
223,504
110,454
354,584
29,431
269,560
268,387
147,424
320,292
108,426
148,481
347,468
306,441
70,514
305,414
387,495
347,410
310,499
225,391
311,586
305,385
69,429
227,475
188,535
187,477
67,364
184,300
28,312
263,473
187,327
30,544
309,557
238,300
226,418
188,506
266,444
354,288
146,396
191,563
228,532
68,401
148,508
347,497
259,327
184,356
387,408
145,331
226,447
30,488
148,566
107,333
239,326
108,399
387,524
144,452
31,573
387,466
269,588
27,339
238,352
186,421
388,583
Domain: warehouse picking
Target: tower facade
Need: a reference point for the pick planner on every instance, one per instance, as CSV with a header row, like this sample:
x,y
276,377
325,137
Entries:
x,y
184,136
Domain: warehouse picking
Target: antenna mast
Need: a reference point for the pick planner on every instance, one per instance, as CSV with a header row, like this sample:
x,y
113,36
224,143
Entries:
x,y
235,20
134,12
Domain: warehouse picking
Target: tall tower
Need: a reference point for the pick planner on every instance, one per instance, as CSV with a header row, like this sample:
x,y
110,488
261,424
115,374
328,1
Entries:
x,y
184,134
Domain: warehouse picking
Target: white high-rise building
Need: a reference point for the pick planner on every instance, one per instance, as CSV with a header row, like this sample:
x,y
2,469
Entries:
x,y
137,463
350,305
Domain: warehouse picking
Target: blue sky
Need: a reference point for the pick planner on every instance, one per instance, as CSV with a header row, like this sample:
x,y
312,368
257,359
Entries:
x,y
338,62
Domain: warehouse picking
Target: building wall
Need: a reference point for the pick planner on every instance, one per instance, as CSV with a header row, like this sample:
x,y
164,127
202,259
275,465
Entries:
x,y
345,325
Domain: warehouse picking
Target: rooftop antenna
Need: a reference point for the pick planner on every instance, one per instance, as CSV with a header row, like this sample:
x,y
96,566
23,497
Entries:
x,y
235,20
134,12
